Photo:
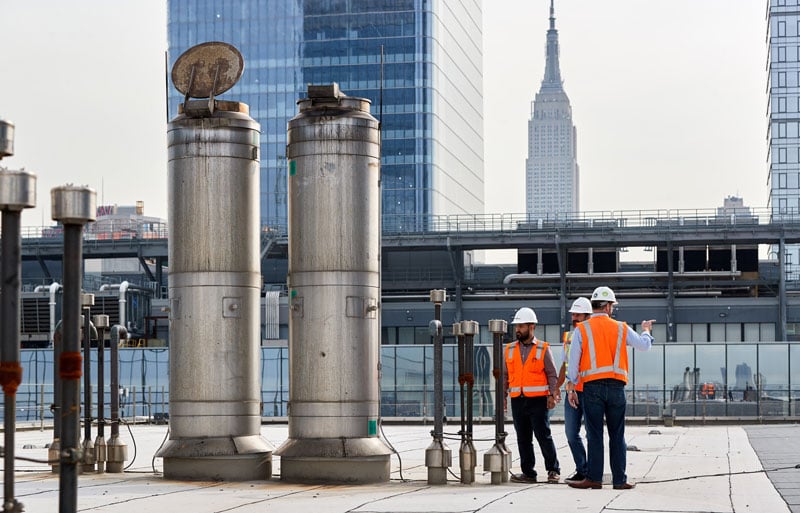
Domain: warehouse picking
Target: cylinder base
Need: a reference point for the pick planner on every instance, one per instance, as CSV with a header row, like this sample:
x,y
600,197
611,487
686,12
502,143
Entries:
x,y
335,460
238,467
247,458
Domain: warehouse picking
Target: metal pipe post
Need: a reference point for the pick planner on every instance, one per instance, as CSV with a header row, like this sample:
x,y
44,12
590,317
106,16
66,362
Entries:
x,y
73,206
54,451
17,191
782,307
101,323
88,457
468,456
497,460
116,450
438,456
438,378
470,330
463,456
460,341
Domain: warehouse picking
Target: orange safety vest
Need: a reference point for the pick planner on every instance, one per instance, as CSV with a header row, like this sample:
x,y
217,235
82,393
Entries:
x,y
567,345
603,349
707,390
528,378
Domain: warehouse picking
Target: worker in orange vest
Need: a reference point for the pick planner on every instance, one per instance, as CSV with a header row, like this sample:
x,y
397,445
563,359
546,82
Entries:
x,y
531,382
708,391
599,359
573,416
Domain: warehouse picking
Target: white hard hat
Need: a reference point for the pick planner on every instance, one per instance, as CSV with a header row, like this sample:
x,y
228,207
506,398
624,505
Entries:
x,y
525,315
604,294
581,306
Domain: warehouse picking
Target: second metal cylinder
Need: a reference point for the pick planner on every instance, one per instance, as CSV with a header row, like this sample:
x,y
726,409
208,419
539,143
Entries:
x,y
334,286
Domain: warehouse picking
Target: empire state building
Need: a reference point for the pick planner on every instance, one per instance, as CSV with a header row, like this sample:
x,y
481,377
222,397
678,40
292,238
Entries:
x,y
551,169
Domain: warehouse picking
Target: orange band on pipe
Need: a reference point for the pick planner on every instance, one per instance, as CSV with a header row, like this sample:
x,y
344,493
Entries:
x,y
70,365
496,373
469,378
10,377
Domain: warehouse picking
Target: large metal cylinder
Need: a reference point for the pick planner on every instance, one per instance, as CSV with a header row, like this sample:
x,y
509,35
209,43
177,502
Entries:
x,y
334,286
214,291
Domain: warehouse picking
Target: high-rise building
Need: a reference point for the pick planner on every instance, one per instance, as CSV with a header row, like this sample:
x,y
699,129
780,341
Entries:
x,y
783,112
551,169
419,62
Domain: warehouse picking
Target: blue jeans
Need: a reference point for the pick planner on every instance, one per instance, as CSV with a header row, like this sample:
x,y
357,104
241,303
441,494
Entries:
x,y
572,427
531,419
605,398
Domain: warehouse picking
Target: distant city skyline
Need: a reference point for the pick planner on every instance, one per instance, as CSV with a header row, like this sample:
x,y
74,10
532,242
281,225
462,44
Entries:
x,y
670,105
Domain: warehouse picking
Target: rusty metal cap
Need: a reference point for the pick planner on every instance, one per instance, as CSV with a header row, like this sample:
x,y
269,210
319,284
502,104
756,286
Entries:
x,y
207,69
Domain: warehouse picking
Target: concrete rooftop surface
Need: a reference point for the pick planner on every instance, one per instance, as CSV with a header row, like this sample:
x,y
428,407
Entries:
x,y
691,469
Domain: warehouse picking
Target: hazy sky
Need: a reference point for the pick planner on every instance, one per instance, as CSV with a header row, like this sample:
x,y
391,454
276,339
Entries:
x,y
668,98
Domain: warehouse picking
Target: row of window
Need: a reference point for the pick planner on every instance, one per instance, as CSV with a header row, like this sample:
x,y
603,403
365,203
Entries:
x,y
320,7
786,180
786,79
785,24
346,26
785,129
783,156
787,205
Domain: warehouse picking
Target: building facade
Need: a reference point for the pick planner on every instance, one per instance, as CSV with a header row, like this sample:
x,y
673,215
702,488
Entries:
x,y
783,113
418,61
551,170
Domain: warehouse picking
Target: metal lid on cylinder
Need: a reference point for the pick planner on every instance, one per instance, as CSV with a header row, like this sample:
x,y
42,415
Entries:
x,y
73,204
329,95
469,327
100,321
6,138
438,296
17,190
498,325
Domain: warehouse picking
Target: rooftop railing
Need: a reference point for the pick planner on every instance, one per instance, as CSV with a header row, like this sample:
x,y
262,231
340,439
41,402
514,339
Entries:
x,y
659,219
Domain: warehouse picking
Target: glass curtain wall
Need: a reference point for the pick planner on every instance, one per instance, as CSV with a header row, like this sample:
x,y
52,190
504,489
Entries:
x,y
418,61
693,380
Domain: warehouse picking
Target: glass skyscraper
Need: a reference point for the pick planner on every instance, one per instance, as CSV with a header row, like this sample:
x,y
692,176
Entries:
x,y
430,85
551,169
783,113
